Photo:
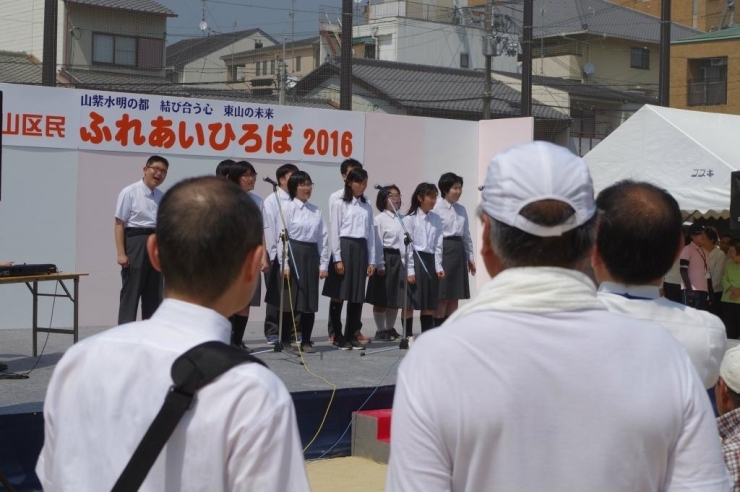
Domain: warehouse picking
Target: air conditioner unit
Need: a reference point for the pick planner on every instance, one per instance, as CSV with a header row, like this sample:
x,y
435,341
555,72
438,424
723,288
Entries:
x,y
718,62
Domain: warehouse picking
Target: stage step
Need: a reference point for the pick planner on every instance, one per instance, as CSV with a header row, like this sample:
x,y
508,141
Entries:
x,y
371,434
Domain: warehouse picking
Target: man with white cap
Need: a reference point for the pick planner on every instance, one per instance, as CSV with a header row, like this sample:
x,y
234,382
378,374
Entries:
x,y
534,385
639,238
727,393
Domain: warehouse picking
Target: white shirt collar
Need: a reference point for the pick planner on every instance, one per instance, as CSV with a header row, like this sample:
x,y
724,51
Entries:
x,y
147,191
195,319
643,291
299,203
447,204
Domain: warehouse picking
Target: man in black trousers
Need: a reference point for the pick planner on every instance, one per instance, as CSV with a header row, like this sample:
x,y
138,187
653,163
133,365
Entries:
x,y
136,218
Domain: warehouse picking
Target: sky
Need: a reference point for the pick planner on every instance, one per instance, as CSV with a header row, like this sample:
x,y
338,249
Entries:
x,y
272,16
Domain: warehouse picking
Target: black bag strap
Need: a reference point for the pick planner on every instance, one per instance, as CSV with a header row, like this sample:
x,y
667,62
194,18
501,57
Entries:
x,y
190,372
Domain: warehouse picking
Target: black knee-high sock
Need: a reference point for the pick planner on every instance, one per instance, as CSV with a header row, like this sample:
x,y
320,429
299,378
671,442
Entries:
x,y
354,314
335,317
427,322
438,321
408,325
238,326
287,327
307,320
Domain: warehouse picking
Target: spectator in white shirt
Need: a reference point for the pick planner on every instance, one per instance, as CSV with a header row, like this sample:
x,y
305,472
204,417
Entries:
x,y
241,434
716,259
534,385
638,239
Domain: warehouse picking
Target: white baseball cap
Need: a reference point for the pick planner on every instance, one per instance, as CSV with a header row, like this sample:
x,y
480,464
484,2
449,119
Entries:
x,y
537,171
729,371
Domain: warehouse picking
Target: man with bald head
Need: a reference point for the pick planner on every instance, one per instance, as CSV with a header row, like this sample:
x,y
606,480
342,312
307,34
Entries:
x,y
639,239
534,385
241,434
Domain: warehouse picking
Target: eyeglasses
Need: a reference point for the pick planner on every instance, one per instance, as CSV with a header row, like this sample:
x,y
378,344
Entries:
x,y
158,170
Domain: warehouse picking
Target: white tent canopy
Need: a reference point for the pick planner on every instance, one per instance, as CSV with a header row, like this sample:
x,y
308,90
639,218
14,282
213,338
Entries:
x,y
689,153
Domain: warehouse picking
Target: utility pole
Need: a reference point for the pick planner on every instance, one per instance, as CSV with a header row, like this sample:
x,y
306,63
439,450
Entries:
x,y
345,77
488,47
49,58
526,109
664,76
282,77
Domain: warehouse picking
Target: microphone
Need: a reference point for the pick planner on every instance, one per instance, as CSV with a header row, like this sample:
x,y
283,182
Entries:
x,y
378,187
480,188
271,181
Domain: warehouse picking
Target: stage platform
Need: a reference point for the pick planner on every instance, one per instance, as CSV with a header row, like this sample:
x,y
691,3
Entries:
x,y
368,380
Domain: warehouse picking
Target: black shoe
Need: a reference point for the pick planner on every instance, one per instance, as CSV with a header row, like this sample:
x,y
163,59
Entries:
x,y
394,334
356,345
342,344
307,348
243,346
3,366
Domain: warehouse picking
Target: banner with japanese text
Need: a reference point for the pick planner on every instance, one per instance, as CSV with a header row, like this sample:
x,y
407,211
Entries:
x,y
109,121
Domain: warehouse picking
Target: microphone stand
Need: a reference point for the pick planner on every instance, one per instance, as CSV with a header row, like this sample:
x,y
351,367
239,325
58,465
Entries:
x,y
286,247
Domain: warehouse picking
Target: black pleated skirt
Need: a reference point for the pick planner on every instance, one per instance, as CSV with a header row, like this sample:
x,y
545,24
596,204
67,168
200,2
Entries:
x,y
303,293
349,287
456,284
387,291
423,294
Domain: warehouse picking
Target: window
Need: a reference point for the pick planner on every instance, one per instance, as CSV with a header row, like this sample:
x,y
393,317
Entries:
x,y
257,44
464,60
640,58
128,51
370,51
150,53
297,64
272,66
707,81
264,67
257,69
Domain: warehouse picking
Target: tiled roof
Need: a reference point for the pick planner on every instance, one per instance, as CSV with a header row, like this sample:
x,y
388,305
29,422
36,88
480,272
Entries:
x,y
188,50
148,6
576,88
600,17
277,47
118,82
18,68
429,90
721,35
239,95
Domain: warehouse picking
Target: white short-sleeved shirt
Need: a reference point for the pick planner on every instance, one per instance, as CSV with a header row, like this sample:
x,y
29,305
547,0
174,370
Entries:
x,y
716,260
137,205
352,219
241,434
585,400
389,234
702,334
426,233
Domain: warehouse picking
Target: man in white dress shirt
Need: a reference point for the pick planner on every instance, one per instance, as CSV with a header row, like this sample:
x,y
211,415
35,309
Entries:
x,y
241,433
639,238
136,218
534,385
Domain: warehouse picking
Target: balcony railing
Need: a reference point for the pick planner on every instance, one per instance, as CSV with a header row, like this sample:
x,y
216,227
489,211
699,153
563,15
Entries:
x,y
707,93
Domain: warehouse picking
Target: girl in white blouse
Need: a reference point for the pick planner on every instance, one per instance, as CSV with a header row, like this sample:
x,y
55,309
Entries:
x,y
385,288
458,257
425,228
309,257
352,242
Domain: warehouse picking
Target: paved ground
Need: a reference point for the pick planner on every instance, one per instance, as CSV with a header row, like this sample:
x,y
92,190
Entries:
x,y
346,369
346,475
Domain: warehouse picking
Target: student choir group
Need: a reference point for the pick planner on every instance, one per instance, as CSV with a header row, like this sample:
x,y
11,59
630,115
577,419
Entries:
x,y
362,257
